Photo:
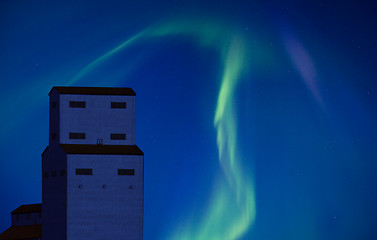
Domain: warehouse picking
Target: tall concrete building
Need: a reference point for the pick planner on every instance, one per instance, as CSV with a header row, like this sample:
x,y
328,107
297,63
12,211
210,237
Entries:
x,y
92,184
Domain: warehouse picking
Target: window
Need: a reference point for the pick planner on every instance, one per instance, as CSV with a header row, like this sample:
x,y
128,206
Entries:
x,y
45,174
76,135
39,215
62,173
53,174
118,104
84,171
126,172
53,104
28,216
77,104
118,136
53,136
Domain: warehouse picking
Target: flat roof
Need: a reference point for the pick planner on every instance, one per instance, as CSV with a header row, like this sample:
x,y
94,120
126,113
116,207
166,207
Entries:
x,y
22,232
101,149
94,90
28,208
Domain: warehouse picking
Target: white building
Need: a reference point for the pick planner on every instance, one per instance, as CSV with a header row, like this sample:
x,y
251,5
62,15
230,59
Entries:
x,y
92,184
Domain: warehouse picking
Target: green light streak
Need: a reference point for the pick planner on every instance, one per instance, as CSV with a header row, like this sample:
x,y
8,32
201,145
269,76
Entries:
x,y
104,57
232,209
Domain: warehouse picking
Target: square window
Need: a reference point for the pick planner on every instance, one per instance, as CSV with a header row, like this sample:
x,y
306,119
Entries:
x,y
77,104
118,104
62,173
84,171
76,135
45,174
53,104
118,136
129,172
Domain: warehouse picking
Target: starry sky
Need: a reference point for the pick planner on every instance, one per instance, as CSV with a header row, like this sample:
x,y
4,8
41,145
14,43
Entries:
x,y
257,118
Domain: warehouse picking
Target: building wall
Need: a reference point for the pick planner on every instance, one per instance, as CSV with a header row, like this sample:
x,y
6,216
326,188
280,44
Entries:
x,y
22,219
54,193
105,205
97,120
54,119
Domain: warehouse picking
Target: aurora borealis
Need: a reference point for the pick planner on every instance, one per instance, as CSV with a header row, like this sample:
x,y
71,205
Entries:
x,y
239,190
256,121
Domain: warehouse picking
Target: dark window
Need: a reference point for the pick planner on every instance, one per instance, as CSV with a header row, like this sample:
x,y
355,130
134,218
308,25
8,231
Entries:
x,y
62,173
28,216
84,171
53,174
53,104
77,104
126,171
53,136
118,104
118,136
76,135
45,174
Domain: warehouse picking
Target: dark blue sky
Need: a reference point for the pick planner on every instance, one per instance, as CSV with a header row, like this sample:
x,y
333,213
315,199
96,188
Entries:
x,y
299,109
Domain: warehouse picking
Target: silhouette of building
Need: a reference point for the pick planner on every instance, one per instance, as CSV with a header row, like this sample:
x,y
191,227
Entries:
x,y
92,170
26,223
92,183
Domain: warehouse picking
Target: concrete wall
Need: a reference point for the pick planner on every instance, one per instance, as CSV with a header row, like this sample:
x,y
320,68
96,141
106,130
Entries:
x,y
97,120
22,219
105,205
54,194
54,118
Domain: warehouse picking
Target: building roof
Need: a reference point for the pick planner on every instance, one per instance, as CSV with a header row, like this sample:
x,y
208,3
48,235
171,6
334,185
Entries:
x,y
95,91
101,149
28,208
22,232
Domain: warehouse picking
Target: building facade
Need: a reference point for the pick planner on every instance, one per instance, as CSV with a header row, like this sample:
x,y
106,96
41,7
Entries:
x,y
92,183
26,223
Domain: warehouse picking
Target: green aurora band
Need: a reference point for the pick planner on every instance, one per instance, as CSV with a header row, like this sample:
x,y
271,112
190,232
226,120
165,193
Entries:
x,y
231,211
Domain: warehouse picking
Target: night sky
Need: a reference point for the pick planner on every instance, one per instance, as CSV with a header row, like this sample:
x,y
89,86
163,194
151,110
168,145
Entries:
x,y
257,118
